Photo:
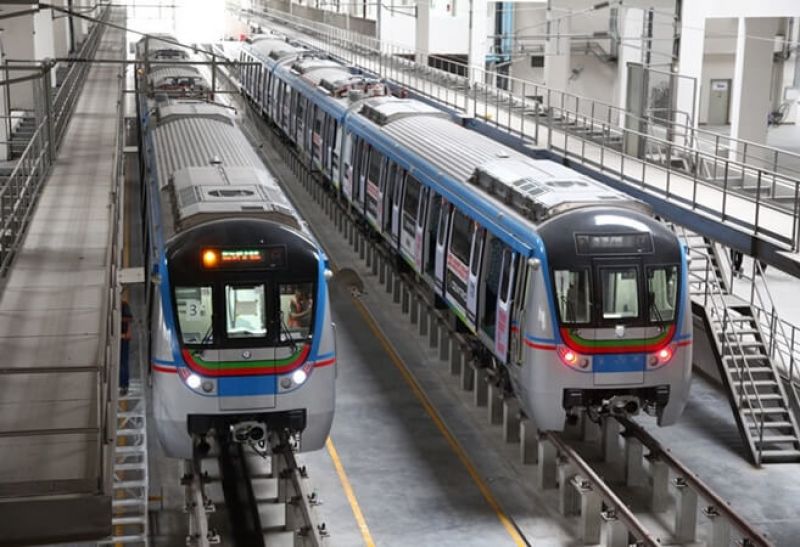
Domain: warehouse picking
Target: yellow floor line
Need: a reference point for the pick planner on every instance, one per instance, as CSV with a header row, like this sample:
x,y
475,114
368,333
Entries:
x,y
351,497
437,420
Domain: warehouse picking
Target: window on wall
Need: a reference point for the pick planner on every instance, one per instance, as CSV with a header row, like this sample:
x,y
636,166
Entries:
x,y
410,204
461,237
245,311
195,314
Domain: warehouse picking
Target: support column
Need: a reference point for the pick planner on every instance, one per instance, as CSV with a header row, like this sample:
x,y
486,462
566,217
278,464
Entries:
x,y
19,43
630,51
557,50
693,35
423,32
61,36
5,133
478,25
752,78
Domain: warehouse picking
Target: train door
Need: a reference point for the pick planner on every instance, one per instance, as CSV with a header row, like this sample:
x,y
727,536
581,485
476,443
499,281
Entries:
x,y
397,199
300,122
419,236
441,243
351,155
264,98
618,309
336,153
361,179
518,307
287,109
373,193
316,136
408,217
431,224
474,273
387,193
504,303
292,121
457,260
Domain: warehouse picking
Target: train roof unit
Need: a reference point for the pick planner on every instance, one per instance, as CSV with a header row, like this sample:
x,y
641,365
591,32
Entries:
x,y
383,111
177,77
276,48
161,47
337,80
542,189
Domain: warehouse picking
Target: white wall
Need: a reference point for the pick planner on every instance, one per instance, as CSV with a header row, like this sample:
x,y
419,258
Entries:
x,y
715,67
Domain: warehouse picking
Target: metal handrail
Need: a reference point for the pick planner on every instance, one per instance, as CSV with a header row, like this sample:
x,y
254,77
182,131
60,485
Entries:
x,y
472,96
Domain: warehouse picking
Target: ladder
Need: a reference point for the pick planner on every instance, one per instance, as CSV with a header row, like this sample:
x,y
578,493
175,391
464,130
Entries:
x,y
753,384
129,511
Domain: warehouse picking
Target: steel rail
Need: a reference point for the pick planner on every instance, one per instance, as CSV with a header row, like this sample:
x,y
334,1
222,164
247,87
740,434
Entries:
x,y
750,534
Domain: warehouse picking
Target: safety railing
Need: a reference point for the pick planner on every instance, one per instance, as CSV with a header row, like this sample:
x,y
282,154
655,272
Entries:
x,y
750,185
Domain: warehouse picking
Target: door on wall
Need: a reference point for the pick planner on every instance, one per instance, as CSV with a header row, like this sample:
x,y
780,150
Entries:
x,y
719,100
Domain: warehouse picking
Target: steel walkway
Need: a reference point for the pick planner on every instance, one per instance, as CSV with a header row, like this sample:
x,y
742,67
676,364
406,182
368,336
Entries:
x,y
59,321
742,194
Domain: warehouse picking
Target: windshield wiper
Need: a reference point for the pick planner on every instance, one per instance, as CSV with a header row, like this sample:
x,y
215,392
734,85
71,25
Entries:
x,y
285,329
655,308
208,335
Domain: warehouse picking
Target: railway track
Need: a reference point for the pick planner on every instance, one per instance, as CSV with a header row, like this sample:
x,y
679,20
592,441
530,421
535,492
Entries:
x,y
250,495
619,485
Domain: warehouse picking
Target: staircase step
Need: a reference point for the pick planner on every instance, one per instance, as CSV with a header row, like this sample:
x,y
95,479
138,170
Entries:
x,y
750,396
767,410
780,455
127,503
121,521
778,439
754,370
771,425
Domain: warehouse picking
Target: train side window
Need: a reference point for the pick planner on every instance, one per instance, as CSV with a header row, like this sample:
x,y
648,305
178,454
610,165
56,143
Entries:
x,y
493,262
504,280
475,255
356,162
362,170
410,205
432,223
573,295
374,172
195,314
461,236
245,311
442,228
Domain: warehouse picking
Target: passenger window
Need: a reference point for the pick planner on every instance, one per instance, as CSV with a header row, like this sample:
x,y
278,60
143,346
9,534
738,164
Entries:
x,y
245,310
442,223
461,237
410,204
296,310
573,291
620,293
375,166
504,280
476,246
195,314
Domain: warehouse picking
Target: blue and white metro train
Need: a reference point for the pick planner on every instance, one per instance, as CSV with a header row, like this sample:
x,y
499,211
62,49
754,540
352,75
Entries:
x,y
241,339
572,288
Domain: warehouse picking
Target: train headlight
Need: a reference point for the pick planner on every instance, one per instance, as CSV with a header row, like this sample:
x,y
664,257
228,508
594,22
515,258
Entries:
x,y
571,358
193,381
299,376
210,258
661,357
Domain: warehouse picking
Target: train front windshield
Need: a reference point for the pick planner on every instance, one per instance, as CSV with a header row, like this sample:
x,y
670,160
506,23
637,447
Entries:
x,y
256,313
609,295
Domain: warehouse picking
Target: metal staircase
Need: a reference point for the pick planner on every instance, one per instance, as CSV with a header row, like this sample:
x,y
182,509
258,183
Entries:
x,y
744,357
129,505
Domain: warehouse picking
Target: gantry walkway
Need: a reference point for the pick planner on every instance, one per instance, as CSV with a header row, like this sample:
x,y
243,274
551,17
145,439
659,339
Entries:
x,y
741,194
59,313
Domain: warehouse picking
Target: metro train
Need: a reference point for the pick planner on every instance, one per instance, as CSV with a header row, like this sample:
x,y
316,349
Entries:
x,y
241,339
576,293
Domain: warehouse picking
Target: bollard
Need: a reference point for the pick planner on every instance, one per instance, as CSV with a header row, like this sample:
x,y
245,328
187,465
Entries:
x,y
467,375
456,356
590,430
720,528
433,332
591,506
406,297
659,496
611,451
634,461
546,470
398,285
480,386
511,420
444,345
369,255
390,275
616,531
568,499
495,406
423,319
414,309
529,438
685,512
376,257
361,249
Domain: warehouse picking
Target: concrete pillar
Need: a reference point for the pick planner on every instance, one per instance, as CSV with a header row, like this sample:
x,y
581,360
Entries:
x,y
752,78
4,123
630,50
61,37
19,43
422,45
557,50
693,34
477,48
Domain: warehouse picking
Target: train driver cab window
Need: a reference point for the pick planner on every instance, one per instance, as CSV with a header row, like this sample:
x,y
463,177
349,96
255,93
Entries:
x,y
662,287
573,291
245,311
410,205
195,314
620,293
296,310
